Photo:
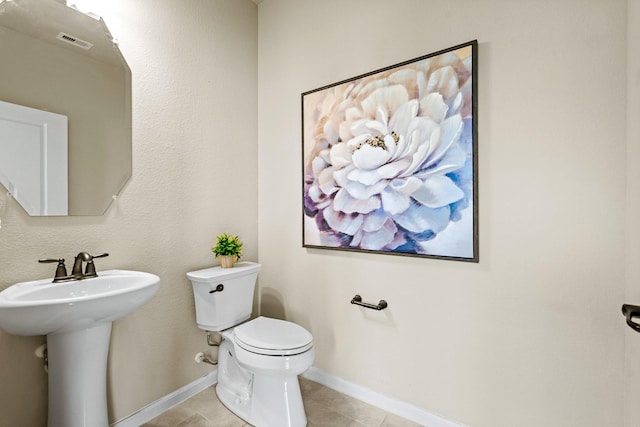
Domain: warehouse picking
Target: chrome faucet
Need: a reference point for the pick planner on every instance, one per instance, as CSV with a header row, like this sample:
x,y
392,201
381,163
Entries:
x,y
76,272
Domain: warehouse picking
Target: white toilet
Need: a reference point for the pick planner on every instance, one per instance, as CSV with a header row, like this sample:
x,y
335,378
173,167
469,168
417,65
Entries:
x,y
258,361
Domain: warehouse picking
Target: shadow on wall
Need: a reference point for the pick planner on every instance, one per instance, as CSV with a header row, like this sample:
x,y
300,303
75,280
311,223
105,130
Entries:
x,y
271,304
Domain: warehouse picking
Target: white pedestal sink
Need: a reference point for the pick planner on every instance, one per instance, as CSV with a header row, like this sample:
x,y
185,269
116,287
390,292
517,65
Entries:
x,y
76,317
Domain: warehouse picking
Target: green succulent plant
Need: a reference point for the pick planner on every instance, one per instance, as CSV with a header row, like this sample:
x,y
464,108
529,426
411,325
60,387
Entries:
x,y
227,245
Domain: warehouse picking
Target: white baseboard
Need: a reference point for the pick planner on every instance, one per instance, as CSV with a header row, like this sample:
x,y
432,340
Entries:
x,y
371,397
167,402
379,400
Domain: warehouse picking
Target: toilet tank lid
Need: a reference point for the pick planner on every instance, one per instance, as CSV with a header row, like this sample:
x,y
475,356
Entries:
x,y
219,273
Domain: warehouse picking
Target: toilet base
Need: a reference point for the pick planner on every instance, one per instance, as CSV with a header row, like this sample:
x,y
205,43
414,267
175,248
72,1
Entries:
x,y
260,400
269,409
277,402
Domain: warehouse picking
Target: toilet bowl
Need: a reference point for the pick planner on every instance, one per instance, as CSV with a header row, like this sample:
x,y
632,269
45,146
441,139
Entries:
x,y
258,360
267,366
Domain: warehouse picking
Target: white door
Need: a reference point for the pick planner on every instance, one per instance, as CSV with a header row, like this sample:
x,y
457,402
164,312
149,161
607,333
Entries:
x,y
33,158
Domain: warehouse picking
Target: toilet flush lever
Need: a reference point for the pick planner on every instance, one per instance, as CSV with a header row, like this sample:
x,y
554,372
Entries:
x,y
218,288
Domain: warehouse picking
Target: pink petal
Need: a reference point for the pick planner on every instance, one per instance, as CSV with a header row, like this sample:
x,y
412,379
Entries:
x,y
343,202
344,223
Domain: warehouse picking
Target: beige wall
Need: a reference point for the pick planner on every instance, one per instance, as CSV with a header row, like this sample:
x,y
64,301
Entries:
x,y
194,176
530,336
632,365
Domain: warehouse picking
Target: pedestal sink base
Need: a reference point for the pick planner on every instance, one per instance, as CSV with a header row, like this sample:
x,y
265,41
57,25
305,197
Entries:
x,y
76,317
77,377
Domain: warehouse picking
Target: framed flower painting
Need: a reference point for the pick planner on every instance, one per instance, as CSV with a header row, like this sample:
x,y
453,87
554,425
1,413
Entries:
x,y
390,159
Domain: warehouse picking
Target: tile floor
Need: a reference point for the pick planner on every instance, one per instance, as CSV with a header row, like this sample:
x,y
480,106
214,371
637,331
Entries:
x,y
325,408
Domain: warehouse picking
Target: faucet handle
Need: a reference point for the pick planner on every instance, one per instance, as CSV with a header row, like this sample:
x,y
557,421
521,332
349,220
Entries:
x,y
61,269
47,260
90,269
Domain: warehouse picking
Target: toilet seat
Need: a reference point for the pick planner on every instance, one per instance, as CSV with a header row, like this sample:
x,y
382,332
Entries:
x,y
272,337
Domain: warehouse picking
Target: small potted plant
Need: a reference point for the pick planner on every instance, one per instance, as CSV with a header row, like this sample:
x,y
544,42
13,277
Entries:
x,y
228,249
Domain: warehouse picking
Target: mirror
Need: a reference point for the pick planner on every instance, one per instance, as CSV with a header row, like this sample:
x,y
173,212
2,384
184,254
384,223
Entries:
x,y
61,62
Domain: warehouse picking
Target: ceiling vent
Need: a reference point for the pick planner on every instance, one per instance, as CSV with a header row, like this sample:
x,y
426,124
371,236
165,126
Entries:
x,y
74,41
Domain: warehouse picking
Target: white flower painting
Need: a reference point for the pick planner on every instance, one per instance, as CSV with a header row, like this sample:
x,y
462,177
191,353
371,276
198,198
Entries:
x,y
389,159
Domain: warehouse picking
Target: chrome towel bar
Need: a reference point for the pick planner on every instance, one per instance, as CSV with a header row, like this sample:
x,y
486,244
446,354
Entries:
x,y
357,300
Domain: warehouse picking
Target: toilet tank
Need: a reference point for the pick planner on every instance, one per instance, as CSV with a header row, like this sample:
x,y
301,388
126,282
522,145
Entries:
x,y
222,309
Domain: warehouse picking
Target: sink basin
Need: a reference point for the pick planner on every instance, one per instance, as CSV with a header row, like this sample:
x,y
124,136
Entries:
x,y
76,317
40,307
